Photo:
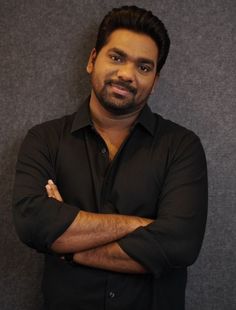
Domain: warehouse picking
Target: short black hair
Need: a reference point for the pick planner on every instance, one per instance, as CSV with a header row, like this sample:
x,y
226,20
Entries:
x,y
138,20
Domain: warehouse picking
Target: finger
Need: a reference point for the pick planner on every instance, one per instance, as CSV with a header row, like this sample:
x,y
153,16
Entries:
x,y
56,193
49,190
54,190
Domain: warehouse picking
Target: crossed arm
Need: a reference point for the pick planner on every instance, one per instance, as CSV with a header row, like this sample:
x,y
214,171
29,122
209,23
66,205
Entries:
x,y
92,237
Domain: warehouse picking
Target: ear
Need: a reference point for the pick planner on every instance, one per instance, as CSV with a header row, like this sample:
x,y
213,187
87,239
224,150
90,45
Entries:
x,y
155,83
91,61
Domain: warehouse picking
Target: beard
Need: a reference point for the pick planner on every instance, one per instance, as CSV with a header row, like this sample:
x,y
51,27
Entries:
x,y
115,103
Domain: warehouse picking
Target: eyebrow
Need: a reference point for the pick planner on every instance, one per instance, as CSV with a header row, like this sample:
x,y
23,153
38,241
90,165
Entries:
x,y
140,59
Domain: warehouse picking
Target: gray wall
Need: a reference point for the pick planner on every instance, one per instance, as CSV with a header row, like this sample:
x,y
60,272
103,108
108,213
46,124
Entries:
x,y
44,46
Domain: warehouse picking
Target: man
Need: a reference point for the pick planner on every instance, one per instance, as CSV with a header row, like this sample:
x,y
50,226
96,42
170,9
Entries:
x,y
124,209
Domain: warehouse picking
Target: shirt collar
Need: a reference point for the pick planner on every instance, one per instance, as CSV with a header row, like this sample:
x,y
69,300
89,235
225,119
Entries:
x,y
83,118
147,119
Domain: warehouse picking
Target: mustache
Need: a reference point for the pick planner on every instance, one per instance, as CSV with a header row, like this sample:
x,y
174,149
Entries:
x,y
122,84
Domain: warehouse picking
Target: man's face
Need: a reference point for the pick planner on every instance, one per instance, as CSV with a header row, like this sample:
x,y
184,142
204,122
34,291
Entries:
x,y
123,73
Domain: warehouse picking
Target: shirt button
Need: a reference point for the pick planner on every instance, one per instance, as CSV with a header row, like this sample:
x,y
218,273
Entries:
x,y
104,150
112,294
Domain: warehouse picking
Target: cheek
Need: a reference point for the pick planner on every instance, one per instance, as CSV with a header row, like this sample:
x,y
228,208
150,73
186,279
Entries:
x,y
146,86
104,68
101,73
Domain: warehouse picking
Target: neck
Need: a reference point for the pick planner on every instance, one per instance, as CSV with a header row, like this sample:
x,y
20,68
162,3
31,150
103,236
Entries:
x,y
105,120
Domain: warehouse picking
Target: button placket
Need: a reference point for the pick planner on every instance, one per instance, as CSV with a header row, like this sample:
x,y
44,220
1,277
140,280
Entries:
x,y
112,294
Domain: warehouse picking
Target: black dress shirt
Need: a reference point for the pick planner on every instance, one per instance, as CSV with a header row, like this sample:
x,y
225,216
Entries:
x,y
159,172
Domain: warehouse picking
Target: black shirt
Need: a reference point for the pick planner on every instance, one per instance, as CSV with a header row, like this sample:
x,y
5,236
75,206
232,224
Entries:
x,y
159,172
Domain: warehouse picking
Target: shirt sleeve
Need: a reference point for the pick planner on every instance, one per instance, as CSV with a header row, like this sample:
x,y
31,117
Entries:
x,y
174,239
39,220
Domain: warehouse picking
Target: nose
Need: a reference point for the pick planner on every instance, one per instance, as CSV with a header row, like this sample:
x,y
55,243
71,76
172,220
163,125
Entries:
x,y
126,72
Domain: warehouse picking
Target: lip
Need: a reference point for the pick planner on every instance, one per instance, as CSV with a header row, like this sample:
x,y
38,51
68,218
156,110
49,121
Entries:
x,y
120,90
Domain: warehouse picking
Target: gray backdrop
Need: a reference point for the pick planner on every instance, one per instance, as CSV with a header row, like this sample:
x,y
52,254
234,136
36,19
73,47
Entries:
x,y
44,49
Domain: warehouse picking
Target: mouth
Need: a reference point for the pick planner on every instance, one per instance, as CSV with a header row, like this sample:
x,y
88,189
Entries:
x,y
121,88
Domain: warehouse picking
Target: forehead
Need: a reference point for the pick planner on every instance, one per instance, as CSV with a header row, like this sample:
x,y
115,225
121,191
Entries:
x,y
135,44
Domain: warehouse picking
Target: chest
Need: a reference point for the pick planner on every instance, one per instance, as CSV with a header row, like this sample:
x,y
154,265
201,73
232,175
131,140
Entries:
x,y
129,184
113,140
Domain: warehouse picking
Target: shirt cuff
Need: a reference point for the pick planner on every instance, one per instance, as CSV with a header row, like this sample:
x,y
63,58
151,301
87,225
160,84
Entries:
x,y
142,247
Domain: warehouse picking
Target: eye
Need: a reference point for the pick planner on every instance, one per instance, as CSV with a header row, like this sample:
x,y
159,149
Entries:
x,y
145,68
116,58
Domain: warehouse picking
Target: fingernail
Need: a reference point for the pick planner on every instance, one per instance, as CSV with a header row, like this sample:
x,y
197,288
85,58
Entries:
x,y
50,182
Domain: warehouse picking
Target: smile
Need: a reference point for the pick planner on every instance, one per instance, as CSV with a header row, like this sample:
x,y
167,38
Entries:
x,y
120,90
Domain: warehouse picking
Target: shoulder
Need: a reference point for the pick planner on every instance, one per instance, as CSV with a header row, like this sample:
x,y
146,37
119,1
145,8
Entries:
x,y
55,127
176,141
174,133
46,137
168,127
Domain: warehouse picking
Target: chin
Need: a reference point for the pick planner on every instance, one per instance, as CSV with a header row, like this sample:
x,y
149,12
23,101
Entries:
x,y
119,109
